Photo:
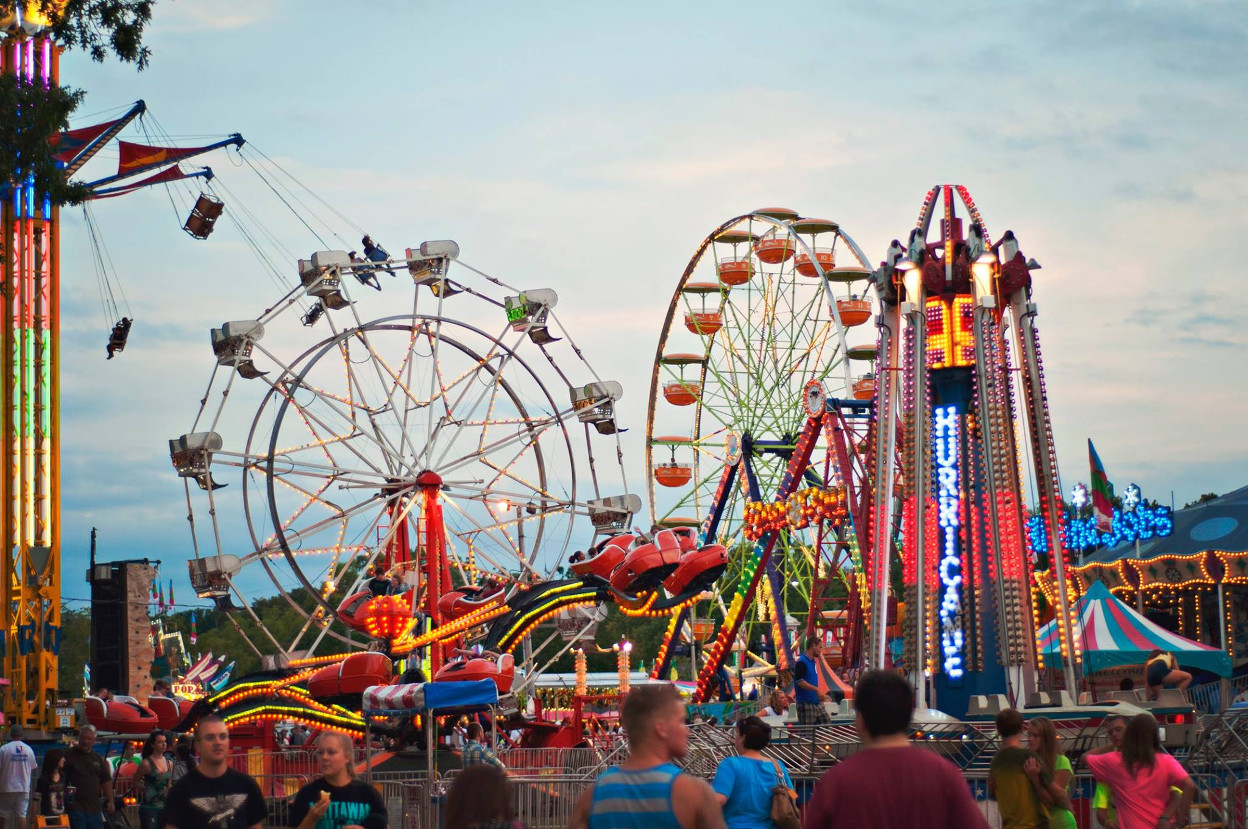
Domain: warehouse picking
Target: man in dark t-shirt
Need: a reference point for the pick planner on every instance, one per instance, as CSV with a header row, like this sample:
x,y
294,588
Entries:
x,y
213,795
890,784
91,777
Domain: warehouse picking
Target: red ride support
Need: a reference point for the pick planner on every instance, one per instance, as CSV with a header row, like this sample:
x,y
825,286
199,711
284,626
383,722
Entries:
x,y
437,570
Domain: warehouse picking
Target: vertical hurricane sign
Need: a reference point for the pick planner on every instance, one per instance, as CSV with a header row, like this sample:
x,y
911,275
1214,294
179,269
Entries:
x,y
949,501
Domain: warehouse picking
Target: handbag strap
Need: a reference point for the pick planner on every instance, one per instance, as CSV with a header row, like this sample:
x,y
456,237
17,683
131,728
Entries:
x,y
775,764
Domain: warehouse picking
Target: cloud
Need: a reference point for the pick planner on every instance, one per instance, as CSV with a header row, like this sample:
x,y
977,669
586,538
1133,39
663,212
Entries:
x,y
197,16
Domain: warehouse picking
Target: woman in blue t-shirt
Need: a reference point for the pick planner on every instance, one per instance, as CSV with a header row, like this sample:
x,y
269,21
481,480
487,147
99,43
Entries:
x,y
744,784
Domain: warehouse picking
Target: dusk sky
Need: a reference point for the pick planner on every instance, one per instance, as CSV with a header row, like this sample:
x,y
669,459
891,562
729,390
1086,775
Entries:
x,y
590,149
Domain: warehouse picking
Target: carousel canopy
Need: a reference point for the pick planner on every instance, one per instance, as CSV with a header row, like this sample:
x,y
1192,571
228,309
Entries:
x,y
1111,634
1220,525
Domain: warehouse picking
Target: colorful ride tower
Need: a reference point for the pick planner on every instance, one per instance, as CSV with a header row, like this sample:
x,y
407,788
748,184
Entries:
x,y
30,604
30,446
956,315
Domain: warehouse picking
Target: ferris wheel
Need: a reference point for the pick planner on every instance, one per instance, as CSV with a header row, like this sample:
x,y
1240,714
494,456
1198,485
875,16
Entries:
x,y
770,303
459,439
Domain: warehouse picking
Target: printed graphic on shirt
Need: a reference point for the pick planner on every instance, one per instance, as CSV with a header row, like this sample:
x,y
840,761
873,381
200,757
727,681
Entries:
x,y
218,810
343,814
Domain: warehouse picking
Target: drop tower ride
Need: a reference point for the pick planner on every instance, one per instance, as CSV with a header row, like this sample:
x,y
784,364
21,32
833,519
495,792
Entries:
x,y
957,325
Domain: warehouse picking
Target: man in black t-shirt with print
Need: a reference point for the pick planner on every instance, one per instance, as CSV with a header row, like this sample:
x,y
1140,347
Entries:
x,y
213,795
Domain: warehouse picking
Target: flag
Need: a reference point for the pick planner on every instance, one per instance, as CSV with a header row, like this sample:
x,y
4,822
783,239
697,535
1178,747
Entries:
x,y
1102,493
194,632
160,598
171,605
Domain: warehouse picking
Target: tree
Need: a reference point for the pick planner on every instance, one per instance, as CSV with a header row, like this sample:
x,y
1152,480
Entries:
x,y
1204,499
98,27
75,651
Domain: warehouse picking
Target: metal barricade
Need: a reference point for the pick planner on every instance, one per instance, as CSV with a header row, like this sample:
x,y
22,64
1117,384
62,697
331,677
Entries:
x,y
570,761
547,802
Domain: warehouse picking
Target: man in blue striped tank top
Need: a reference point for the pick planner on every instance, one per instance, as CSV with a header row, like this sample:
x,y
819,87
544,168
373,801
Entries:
x,y
648,791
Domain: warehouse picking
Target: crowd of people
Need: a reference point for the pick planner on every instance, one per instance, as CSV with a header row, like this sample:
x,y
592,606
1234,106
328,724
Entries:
x,y
191,785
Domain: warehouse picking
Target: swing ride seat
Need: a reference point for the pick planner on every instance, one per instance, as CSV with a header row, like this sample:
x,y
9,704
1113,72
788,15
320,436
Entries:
x,y
120,335
604,558
203,216
500,669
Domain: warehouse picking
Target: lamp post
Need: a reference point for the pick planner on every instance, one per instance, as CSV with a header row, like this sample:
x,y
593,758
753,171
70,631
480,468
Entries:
x,y
1131,503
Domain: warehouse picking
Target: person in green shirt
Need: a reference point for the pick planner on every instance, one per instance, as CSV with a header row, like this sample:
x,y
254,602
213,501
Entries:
x,y
1042,739
1022,797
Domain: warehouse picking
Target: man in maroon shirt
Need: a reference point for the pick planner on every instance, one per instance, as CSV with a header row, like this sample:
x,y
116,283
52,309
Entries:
x,y
890,784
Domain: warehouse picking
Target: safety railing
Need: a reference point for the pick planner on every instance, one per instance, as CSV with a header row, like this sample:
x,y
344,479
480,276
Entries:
x,y
545,799
568,761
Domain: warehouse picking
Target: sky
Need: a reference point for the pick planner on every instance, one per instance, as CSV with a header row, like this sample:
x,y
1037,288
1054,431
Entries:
x,y
589,149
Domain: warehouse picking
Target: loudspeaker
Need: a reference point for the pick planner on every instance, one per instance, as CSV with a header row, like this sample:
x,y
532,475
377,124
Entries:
x,y
121,650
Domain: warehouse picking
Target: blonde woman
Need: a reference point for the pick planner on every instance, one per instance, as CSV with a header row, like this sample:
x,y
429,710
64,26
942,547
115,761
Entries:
x,y
336,799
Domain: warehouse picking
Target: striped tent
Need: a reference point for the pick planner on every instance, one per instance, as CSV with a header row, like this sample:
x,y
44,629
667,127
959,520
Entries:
x,y
1111,634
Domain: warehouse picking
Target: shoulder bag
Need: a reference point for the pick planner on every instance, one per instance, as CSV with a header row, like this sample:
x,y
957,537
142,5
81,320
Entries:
x,y
783,803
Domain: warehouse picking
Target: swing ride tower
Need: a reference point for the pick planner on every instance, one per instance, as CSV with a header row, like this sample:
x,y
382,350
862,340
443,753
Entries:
x,y
30,450
30,445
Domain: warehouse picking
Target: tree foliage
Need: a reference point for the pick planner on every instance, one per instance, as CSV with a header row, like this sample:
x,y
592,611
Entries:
x,y
1203,499
103,27
35,113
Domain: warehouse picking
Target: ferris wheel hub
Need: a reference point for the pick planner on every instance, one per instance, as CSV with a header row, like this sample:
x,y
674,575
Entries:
x,y
428,478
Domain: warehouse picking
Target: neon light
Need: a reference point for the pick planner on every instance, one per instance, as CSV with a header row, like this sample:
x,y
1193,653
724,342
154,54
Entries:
x,y
949,505
1143,522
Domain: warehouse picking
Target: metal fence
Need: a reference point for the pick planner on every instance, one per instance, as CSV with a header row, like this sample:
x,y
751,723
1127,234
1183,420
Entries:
x,y
1208,697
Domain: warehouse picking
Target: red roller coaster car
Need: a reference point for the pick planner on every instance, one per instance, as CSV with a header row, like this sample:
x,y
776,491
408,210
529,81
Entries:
x,y
601,560
169,710
697,570
646,565
351,676
123,715
499,667
466,599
